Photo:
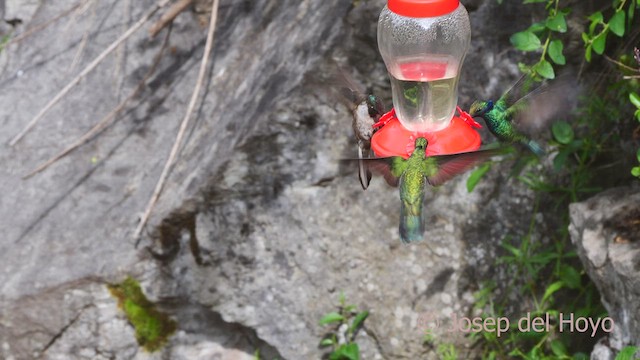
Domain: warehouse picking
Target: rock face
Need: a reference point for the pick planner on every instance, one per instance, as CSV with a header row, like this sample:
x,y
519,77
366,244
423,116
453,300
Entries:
x,y
258,228
606,232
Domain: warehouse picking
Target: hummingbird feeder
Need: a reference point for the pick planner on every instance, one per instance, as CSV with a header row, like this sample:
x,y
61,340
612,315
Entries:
x,y
423,44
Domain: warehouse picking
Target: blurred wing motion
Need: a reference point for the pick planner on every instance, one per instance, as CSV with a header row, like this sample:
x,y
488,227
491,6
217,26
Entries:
x,y
366,110
383,166
533,111
449,166
441,168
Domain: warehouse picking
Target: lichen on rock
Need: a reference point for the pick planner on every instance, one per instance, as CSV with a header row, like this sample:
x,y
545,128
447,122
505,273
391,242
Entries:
x,y
153,327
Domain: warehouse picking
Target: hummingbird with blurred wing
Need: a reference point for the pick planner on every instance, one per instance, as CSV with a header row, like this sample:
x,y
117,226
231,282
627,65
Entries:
x,y
508,117
414,173
366,110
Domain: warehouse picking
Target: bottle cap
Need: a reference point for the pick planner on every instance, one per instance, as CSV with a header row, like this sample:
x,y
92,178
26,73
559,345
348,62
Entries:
x,y
422,8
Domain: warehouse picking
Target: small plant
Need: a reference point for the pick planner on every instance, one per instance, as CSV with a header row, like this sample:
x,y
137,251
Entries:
x,y
153,328
447,352
628,353
346,322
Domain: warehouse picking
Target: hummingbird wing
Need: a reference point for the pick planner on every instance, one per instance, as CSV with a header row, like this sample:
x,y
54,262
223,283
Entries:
x,y
336,82
391,168
522,87
449,166
535,110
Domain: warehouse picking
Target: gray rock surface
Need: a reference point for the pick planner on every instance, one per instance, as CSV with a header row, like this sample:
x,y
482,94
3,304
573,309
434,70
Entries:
x,y
258,228
606,232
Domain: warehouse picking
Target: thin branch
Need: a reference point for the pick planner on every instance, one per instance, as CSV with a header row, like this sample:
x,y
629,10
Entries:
x,y
108,119
43,26
183,125
168,16
83,41
88,69
121,52
621,64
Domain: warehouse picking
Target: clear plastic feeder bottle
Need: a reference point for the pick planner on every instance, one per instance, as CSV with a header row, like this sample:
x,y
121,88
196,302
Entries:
x,y
423,44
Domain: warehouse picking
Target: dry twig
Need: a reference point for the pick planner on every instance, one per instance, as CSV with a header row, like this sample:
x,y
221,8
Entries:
x,y
108,119
183,125
168,16
621,64
88,69
83,41
44,25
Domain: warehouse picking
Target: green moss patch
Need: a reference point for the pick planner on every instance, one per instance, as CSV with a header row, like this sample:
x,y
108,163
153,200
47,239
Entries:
x,y
153,327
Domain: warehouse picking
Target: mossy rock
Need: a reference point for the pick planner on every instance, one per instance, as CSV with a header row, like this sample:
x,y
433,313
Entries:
x,y
153,327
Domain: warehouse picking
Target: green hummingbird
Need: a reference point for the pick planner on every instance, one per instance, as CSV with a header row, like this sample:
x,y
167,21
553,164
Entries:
x,y
414,173
503,118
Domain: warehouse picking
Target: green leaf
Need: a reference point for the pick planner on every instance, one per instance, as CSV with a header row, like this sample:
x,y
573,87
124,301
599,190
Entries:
x,y
616,24
627,353
524,68
557,23
562,132
525,41
558,348
570,276
358,320
635,99
533,1
552,289
638,155
515,251
630,13
586,39
346,352
537,27
476,175
599,42
544,69
580,356
637,114
560,160
587,53
326,342
331,318
635,171
596,17
555,52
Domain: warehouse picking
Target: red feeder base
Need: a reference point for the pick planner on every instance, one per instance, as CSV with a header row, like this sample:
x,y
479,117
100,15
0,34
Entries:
x,y
393,139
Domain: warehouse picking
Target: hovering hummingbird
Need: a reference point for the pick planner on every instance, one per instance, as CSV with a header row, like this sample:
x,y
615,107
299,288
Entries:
x,y
415,172
365,115
366,110
507,117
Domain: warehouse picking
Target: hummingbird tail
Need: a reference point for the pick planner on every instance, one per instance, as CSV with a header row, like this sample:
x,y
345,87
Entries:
x,y
363,171
411,223
535,147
